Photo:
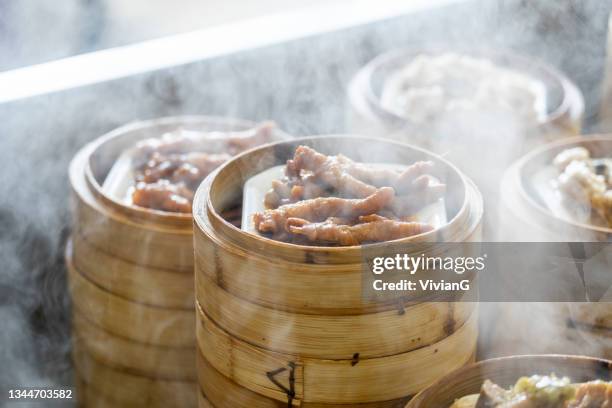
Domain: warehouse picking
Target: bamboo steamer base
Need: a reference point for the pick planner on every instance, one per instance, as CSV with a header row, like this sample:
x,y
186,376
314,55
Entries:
x,y
335,336
223,392
125,389
147,285
131,320
142,359
333,381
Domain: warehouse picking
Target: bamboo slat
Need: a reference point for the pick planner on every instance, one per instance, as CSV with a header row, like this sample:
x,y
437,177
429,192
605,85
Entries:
x,y
356,380
223,392
332,337
130,320
124,389
143,359
203,402
151,286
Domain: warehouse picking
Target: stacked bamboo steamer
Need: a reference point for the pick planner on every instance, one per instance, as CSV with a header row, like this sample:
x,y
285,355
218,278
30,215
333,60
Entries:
x,y
581,328
286,325
131,280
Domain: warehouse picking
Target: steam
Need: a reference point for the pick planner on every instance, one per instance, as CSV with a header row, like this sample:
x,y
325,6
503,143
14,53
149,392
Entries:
x,y
35,331
301,85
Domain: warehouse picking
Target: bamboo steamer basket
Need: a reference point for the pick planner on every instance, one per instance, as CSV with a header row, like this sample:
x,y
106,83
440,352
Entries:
x,y
289,277
142,255
300,309
108,386
333,381
582,327
505,372
131,268
141,236
145,237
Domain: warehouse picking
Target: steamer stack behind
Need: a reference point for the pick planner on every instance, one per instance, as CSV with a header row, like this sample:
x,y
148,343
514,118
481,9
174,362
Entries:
x,y
131,280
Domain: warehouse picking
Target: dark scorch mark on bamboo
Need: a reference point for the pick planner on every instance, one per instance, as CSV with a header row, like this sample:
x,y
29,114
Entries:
x,y
449,325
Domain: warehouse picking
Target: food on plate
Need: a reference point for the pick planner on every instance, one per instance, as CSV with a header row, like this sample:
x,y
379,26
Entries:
x,y
365,231
334,200
321,208
540,392
585,184
431,87
168,169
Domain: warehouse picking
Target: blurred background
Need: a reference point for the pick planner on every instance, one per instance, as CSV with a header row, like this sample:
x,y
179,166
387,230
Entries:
x,y
300,81
79,26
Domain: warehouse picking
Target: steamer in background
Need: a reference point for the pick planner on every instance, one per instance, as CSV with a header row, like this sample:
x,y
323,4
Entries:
x,y
130,274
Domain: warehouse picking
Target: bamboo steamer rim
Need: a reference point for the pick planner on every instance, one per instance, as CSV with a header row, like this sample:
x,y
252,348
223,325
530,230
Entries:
x,y
203,203
450,382
517,174
165,124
